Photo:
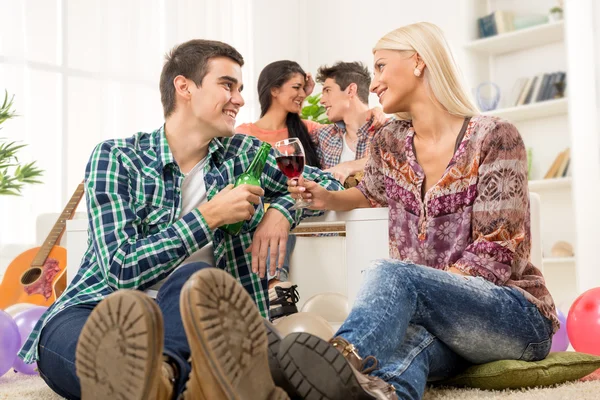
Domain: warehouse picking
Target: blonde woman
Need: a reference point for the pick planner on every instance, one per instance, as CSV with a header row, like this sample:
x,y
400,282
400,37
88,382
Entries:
x,y
459,288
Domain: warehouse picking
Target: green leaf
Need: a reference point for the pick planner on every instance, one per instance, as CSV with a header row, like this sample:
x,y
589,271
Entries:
x,y
13,174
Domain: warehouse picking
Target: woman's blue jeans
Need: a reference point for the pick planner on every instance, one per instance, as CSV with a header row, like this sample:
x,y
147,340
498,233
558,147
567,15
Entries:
x,y
424,324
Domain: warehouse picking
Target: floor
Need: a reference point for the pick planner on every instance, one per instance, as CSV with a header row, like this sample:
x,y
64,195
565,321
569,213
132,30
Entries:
x,y
23,387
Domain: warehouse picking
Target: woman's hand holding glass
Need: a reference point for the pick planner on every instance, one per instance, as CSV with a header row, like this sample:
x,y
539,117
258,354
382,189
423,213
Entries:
x,y
315,195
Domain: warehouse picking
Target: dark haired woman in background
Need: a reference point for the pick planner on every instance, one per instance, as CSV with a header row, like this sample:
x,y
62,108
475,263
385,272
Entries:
x,y
282,87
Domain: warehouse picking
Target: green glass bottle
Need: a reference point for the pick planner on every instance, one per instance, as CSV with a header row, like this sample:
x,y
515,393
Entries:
x,y
250,177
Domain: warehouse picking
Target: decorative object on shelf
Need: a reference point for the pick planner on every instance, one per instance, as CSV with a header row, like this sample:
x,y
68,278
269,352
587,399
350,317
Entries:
x,y
560,166
528,21
488,96
556,13
562,249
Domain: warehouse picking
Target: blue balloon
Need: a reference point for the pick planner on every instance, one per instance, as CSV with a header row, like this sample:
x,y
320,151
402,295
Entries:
x,y
10,342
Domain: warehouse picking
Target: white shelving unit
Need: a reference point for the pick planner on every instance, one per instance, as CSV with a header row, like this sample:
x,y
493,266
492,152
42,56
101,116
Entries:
x,y
520,40
543,109
544,126
559,260
550,184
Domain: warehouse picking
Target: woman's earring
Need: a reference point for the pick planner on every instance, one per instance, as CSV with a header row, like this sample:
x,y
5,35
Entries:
x,y
417,72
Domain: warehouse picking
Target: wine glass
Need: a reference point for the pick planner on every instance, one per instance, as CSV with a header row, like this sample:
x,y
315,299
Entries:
x,y
289,154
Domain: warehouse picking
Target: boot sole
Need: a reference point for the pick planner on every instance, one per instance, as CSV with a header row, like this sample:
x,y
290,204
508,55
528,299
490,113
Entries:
x,y
274,339
120,347
227,339
317,370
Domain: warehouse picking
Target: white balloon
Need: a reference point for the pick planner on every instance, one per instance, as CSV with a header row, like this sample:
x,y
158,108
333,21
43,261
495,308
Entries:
x,y
17,308
331,306
304,322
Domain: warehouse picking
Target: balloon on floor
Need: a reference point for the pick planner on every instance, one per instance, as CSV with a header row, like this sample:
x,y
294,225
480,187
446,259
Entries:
x,y
560,340
304,322
11,342
583,322
331,306
17,308
26,321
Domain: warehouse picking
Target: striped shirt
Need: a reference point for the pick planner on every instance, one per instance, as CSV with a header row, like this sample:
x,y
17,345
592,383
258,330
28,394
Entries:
x,y
136,235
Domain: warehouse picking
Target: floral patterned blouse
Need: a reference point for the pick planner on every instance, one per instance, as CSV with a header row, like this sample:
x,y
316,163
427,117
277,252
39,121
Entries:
x,y
475,218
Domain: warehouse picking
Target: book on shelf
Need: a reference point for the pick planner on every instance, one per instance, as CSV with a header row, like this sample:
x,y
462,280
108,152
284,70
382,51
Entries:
x,y
516,91
560,166
535,91
537,88
495,23
524,92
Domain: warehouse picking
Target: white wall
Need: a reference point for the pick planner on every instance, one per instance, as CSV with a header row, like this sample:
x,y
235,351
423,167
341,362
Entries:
x,y
85,71
347,30
583,56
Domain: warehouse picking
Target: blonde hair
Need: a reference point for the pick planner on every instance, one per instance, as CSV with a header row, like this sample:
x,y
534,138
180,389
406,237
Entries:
x,y
442,75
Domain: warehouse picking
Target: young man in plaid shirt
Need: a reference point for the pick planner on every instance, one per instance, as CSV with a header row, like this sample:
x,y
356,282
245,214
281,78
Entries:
x,y
155,202
343,145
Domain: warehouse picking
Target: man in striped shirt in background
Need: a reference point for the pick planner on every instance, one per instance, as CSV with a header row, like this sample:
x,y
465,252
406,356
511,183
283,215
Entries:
x,y
155,202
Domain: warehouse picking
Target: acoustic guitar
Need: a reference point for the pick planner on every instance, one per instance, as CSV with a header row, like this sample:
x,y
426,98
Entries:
x,y
38,276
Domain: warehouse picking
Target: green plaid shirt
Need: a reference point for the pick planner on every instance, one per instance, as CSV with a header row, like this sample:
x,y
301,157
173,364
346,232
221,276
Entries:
x,y
136,235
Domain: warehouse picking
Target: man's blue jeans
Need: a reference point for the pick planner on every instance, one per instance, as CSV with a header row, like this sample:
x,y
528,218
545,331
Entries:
x,y
59,337
423,324
284,270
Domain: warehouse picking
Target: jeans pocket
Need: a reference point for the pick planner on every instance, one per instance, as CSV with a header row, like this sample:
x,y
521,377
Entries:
x,y
536,351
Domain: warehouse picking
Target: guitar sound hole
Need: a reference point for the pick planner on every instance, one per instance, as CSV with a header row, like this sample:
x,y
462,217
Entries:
x,y
31,276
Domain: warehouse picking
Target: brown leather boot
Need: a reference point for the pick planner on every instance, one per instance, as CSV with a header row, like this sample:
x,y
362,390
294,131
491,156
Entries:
x,y
228,341
319,371
349,352
119,352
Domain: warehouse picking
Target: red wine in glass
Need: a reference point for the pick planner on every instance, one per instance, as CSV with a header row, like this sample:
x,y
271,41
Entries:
x,y
289,154
291,166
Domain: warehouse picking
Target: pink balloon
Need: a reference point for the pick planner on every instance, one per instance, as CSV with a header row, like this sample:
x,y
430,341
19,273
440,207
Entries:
x,y
26,321
583,322
10,343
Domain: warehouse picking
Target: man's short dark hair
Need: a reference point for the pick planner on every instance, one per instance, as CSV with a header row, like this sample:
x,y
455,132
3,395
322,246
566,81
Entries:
x,y
345,73
190,59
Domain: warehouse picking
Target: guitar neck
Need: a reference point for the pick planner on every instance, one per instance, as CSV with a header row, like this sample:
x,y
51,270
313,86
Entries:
x,y
58,229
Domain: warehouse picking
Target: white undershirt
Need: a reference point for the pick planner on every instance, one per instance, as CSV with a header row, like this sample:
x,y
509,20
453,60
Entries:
x,y
347,153
193,193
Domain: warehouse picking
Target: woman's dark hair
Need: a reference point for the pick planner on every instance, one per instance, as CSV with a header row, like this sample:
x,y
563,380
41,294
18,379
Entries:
x,y
275,75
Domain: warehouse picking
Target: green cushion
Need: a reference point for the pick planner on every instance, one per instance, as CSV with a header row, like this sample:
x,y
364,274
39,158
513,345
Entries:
x,y
557,368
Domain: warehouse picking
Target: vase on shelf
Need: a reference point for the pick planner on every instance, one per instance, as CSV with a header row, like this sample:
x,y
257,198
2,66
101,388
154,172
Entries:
x,y
488,96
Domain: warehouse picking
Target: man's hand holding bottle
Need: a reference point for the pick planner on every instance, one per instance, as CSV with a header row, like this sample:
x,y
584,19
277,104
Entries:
x,y
231,205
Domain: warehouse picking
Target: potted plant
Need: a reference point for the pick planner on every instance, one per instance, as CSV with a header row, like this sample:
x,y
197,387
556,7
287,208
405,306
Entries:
x,y
13,174
556,13
313,111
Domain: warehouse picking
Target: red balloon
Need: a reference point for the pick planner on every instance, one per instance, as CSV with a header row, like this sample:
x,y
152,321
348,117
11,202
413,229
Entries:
x,y
583,322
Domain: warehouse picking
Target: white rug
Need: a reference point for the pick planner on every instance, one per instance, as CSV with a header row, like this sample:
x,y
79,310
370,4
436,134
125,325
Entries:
x,y
24,387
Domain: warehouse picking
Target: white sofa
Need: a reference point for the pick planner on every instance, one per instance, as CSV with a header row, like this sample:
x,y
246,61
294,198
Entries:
x,y
318,263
